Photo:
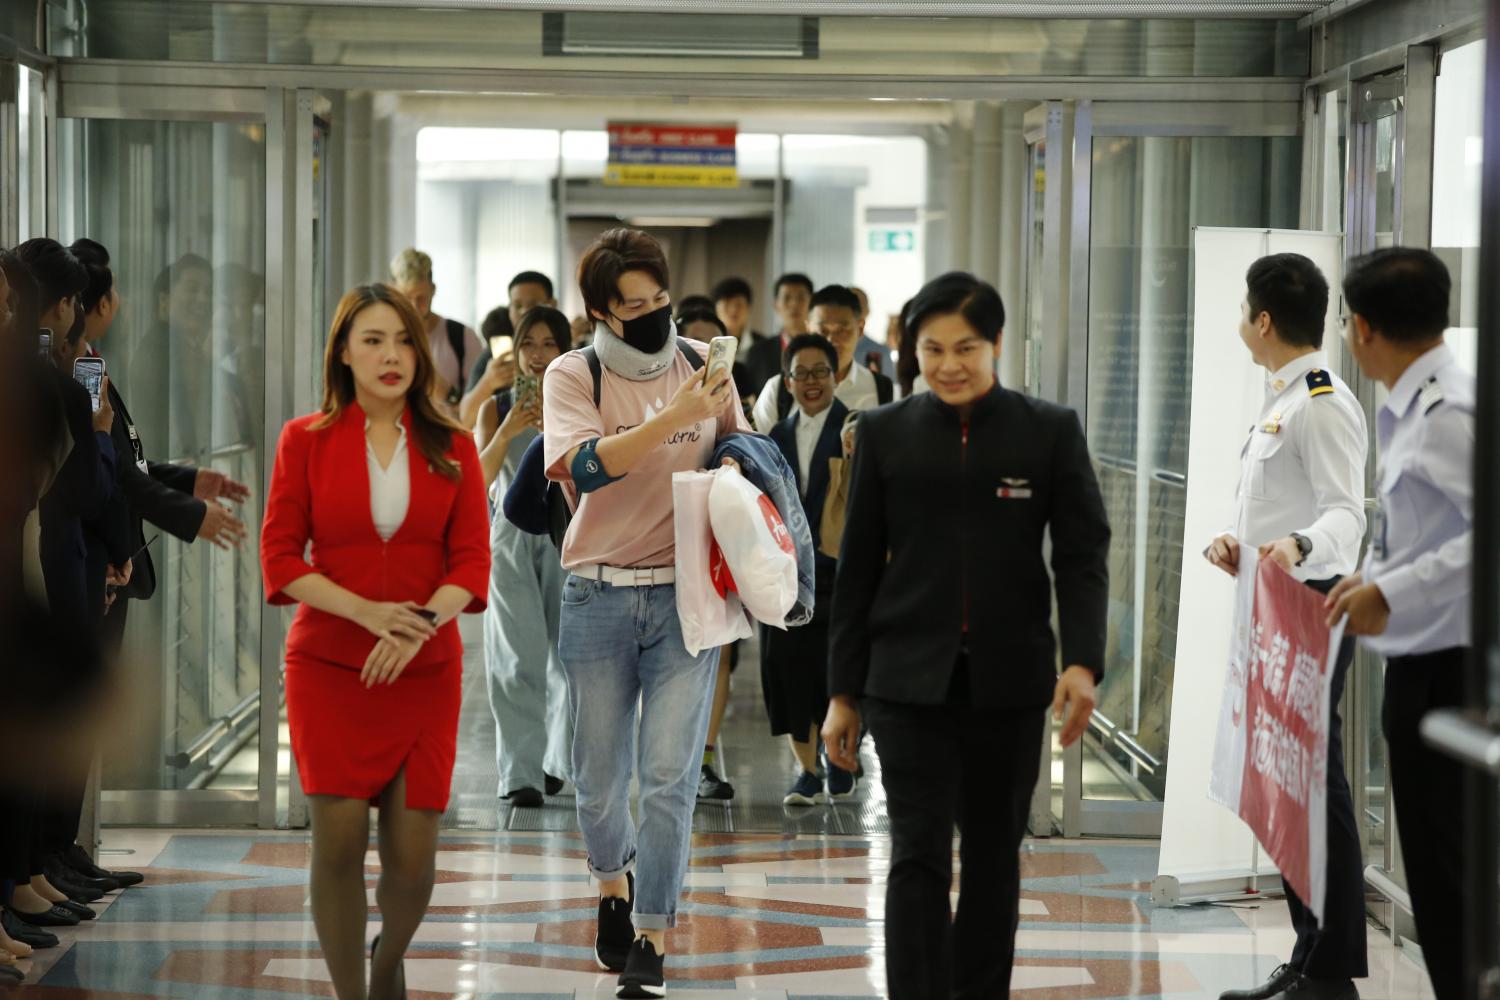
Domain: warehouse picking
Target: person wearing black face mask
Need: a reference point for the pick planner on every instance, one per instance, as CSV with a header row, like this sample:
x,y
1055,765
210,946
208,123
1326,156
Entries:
x,y
614,445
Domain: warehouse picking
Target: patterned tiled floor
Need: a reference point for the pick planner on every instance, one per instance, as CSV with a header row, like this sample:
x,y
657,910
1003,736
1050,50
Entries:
x,y
224,915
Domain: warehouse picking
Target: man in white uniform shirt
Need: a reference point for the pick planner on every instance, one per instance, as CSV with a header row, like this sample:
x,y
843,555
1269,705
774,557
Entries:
x,y
1412,601
835,317
1300,502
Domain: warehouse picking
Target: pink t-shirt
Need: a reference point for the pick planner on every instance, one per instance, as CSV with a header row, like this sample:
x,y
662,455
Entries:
x,y
629,522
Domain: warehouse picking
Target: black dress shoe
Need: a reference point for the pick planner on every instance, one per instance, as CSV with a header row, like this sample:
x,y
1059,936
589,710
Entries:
x,y
25,933
77,893
11,976
553,784
83,913
76,858
1282,979
57,871
525,798
54,917
1306,988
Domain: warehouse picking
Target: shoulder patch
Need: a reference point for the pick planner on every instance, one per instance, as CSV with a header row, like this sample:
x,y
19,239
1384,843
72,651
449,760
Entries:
x,y
1319,382
1430,395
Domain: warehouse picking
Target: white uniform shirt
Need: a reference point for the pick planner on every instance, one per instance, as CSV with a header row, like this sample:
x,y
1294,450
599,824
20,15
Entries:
x,y
1303,468
858,392
808,429
1422,543
390,487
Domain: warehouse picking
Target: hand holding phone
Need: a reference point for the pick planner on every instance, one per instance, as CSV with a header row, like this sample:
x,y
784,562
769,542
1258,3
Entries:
x,y
721,352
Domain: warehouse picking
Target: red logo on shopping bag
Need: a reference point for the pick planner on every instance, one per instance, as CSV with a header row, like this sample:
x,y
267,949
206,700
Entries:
x,y
718,571
777,525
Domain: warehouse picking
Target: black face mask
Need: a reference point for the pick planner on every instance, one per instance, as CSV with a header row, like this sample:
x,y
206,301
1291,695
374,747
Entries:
x,y
648,334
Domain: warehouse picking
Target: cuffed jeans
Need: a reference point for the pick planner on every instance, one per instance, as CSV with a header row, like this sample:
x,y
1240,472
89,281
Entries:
x,y
527,688
632,682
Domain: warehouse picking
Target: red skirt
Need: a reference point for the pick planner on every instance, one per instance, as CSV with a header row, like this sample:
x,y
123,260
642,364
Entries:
x,y
351,742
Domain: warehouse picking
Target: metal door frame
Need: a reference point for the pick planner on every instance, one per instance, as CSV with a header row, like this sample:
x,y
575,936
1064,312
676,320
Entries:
x,y
286,116
1069,129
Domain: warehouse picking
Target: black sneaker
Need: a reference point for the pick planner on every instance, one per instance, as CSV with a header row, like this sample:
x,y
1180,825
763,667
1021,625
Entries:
x,y
552,784
616,932
525,798
808,791
1282,979
712,788
643,977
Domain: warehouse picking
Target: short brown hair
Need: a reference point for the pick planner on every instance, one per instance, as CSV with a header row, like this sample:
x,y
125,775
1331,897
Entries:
x,y
609,257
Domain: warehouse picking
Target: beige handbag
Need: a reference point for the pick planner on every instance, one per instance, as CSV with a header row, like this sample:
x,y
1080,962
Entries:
x,y
831,527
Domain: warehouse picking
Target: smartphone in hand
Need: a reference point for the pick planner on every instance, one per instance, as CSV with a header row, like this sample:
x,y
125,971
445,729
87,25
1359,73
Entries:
x,y
526,387
721,352
89,372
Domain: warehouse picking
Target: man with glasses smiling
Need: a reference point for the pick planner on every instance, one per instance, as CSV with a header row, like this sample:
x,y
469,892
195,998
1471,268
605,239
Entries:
x,y
835,317
794,663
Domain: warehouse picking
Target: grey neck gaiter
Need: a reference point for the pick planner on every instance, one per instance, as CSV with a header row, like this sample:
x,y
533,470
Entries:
x,y
627,362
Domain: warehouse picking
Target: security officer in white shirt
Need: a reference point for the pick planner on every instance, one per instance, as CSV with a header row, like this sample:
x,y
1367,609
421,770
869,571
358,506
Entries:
x,y
1412,602
1300,502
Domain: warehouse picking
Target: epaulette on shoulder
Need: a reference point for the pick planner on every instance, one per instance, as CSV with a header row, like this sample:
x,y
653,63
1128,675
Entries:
x,y
1430,396
1319,382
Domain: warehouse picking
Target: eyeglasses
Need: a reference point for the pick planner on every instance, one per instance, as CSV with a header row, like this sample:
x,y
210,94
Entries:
x,y
830,332
819,374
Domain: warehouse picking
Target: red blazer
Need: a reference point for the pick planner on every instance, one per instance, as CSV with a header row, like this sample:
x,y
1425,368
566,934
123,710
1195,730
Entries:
x,y
320,493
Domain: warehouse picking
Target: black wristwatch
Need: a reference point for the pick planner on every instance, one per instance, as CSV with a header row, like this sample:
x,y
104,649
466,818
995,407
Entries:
x,y
1304,546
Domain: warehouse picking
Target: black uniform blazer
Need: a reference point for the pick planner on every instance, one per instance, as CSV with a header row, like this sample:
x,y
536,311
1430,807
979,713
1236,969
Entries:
x,y
80,493
762,361
163,495
829,445
945,532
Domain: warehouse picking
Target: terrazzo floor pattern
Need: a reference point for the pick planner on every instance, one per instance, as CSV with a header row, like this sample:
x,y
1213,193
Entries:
x,y
766,917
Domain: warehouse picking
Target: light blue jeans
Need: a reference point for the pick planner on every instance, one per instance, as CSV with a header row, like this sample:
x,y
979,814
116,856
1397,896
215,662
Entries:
x,y
632,682
527,689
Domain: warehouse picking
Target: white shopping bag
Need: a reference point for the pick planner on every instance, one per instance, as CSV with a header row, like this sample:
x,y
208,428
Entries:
x,y
758,551
708,619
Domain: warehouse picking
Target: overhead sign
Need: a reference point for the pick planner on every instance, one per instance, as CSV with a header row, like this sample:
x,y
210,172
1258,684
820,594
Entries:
x,y
643,155
892,241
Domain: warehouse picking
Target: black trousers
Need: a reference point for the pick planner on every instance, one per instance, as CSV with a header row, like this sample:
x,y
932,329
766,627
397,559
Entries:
x,y
1338,951
1427,787
943,766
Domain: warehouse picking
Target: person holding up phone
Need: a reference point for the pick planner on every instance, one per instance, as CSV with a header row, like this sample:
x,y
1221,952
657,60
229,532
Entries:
x,y
390,494
528,691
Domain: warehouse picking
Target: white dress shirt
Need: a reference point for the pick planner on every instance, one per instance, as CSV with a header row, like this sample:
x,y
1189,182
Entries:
x,y
1422,543
858,392
808,430
1302,469
390,487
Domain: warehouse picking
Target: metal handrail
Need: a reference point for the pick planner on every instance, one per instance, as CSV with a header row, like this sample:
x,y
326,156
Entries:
x,y
223,451
1462,736
217,730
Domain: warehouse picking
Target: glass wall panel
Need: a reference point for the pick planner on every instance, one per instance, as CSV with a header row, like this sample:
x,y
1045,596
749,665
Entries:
x,y
181,208
31,154
1148,195
292,34
1457,156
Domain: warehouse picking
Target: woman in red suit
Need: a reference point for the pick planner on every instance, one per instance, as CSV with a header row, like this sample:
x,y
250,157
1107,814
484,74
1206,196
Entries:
x,y
391,497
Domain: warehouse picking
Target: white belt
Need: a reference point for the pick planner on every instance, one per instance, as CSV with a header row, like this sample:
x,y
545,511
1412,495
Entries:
x,y
644,576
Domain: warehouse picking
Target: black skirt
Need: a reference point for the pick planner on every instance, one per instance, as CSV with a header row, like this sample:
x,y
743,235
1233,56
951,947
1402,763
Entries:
x,y
794,674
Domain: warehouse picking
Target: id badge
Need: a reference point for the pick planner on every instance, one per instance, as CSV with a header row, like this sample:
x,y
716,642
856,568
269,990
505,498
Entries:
x,y
140,453
1377,533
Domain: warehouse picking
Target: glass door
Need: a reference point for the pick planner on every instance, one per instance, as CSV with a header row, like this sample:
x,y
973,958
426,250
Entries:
x,y
178,195
1143,177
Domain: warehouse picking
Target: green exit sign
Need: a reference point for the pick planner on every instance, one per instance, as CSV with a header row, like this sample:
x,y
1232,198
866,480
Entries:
x,y
892,241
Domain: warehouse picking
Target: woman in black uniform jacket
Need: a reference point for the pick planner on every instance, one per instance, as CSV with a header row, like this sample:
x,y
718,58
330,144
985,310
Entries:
x,y
942,632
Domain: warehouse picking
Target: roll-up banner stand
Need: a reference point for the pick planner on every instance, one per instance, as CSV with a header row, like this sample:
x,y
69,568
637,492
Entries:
x,y
1207,853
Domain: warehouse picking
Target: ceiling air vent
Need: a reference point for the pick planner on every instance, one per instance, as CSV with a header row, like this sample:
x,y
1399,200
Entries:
x,y
682,35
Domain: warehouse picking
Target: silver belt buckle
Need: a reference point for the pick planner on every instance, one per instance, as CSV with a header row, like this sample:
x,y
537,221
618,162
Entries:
x,y
646,574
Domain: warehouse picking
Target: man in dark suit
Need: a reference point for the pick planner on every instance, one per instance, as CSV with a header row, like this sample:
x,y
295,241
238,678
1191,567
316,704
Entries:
x,y
942,626
794,663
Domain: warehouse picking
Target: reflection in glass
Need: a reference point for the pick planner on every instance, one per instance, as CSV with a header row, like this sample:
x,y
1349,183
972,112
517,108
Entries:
x,y
1148,195
181,207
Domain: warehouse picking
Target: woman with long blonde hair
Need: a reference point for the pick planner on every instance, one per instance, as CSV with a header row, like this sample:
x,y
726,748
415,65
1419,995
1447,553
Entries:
x,y
390,494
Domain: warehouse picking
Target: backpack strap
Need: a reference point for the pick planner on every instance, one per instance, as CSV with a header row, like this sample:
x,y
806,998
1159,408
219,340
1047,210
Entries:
x,y
596,368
